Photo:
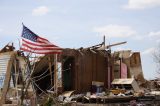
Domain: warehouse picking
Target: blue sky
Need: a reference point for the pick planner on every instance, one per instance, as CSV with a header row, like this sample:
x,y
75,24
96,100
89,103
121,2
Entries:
x,y
82,23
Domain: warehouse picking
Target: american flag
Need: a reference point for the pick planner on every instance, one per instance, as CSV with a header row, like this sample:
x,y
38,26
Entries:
x,y
36,44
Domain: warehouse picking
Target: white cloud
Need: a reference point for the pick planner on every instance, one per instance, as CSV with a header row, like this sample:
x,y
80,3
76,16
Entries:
x,y
142,4
154,34
39,11
138,37
1,30
148,51
115,31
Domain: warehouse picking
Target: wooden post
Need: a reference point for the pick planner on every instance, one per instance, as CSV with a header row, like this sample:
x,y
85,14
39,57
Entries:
x,y
50,69
16,77
55,73
120,67
104,41
109,77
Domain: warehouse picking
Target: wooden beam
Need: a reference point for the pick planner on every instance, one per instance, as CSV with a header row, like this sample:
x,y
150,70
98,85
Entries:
x,y
50,70
55,73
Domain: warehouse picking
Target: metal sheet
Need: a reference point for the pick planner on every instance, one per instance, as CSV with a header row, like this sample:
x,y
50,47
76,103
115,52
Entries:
x,y
123,81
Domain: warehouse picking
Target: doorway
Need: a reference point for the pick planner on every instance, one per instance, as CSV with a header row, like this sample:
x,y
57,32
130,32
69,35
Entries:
x,y
68,73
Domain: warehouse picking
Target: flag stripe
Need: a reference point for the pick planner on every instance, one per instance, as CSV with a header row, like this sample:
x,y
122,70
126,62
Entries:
x,y
43,39
42,52
37,44
39,48
40,40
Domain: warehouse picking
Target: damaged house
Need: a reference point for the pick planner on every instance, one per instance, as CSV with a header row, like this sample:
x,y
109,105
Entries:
x,y
79,69
14,70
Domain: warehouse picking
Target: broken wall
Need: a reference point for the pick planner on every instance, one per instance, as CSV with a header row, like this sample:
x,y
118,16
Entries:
x,y
87,67
133,62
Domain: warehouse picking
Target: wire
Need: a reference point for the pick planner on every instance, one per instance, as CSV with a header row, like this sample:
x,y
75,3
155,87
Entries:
x,y
44,76
39,87
45,93
41,74
52,72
